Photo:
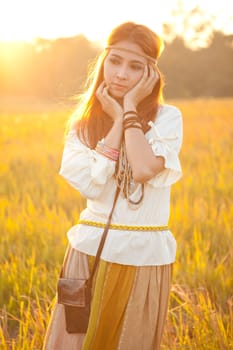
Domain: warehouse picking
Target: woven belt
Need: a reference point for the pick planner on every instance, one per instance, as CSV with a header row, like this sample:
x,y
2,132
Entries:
x,y
123,227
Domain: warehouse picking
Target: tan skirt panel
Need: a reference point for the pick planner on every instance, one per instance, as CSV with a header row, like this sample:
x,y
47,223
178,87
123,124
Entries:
x,y
75,266
147,309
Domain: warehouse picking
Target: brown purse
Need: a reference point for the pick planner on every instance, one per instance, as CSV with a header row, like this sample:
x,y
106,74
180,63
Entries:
x,y
75,294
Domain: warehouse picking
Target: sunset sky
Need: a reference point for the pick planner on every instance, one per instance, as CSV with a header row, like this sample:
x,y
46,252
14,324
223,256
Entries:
x,y
28,19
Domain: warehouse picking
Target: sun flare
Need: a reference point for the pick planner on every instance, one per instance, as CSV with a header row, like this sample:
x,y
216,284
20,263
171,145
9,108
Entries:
x,y
25,20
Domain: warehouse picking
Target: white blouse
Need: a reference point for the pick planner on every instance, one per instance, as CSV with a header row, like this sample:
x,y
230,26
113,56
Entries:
x,y
92,175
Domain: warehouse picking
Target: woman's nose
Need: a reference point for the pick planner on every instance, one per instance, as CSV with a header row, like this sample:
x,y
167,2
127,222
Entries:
x,y
122,73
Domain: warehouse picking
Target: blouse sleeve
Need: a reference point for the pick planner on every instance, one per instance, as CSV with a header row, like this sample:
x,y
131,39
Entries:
x,y
166,140
83,168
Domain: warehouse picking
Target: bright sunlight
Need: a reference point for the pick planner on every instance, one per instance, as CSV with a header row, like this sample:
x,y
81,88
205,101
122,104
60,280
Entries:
x,y
25,20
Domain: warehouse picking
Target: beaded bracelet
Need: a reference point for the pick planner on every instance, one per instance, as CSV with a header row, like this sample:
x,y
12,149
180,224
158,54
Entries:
x,y
132,122
106,154
129,112
133,118
102,144
133,126
107,151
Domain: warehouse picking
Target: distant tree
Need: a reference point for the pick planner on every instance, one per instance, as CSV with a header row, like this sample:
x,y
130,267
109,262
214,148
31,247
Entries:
x,y
204,72
195,26
56,69
46,68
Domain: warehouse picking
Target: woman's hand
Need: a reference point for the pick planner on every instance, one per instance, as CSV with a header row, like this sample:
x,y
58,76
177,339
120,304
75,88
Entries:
x,y
108,103
143,88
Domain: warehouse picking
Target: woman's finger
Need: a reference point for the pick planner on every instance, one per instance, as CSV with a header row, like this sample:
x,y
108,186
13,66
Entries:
x,y
154,75
100,89
105,91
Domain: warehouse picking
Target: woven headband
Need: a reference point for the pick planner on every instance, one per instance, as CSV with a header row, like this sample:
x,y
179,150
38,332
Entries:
x,y
152,59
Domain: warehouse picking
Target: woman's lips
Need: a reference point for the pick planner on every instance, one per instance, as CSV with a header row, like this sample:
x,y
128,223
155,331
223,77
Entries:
x,y
116,86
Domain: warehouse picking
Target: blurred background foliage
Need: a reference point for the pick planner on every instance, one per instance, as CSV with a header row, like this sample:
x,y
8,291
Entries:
x,y
197,61
56,69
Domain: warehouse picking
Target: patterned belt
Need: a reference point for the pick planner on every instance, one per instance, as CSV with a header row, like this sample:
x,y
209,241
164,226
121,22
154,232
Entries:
x,y
123,227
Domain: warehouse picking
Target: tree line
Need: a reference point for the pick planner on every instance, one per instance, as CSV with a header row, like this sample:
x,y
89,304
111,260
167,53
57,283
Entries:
x,y
56,69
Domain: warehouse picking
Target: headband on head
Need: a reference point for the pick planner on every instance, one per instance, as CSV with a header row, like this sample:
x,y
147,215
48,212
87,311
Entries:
x,y
152,59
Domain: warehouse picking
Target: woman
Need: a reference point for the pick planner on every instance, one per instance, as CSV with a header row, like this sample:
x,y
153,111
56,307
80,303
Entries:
x,y
122,135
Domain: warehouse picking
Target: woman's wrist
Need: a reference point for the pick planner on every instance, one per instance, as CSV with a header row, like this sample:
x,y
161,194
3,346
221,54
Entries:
x,y
131,120
117,123
107,151
129,106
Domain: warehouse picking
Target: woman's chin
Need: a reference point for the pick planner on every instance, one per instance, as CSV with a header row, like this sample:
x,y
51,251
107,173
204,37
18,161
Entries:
x,y
116,94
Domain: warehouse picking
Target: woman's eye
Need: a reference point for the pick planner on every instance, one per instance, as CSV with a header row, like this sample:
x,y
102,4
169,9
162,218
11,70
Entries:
x,y
114,60
136,67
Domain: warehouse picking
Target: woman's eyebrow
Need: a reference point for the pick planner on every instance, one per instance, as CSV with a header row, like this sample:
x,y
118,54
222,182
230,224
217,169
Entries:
x,y
132,61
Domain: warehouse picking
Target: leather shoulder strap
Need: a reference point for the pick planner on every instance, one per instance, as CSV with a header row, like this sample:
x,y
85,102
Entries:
x,y
103,239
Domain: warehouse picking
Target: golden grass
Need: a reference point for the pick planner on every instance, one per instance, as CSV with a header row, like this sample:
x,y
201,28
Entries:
x,y
37,208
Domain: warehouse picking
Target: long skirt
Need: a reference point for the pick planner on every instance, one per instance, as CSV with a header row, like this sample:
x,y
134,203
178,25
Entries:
x,y
128,310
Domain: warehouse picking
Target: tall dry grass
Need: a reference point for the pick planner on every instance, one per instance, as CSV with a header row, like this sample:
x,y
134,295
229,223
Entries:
x,y
37,208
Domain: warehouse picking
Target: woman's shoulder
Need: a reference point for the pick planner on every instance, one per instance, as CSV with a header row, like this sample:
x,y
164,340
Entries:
x,y
168,114
168,110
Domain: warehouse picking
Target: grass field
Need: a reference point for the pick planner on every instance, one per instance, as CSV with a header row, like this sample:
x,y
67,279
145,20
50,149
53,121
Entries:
x,y
37,208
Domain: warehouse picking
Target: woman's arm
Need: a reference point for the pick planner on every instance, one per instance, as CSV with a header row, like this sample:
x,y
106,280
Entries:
x,y
85,169
115,111
143,162
114,137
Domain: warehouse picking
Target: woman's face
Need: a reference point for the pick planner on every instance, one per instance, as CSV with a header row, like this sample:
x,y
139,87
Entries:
x,y
123,69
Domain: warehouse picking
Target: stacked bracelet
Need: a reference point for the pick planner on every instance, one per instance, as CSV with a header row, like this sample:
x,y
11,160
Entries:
x,y
107,151
132,121
129,112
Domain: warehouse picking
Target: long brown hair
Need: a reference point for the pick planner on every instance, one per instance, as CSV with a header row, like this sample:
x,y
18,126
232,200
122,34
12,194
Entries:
x,y
92,123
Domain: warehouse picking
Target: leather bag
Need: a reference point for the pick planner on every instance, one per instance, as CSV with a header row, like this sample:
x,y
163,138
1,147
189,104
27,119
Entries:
x,y
75,294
